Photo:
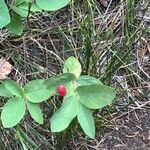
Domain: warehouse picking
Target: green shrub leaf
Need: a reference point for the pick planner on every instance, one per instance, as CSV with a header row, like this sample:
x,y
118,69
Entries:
x,y
96,96
87,80
70,89
15,26
21,12
29,1
52,5
72,65
36,92
34,7
63,116
17,2
86,121
35,112
4,14
13,87
4,91
13,111
52,83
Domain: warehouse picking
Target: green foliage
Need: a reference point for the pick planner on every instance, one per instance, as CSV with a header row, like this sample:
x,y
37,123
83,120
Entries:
x,y
15,25
35,112
24,8
86,120
21,12
4,14
83,94
87,80
34,7
52,5
13,87
18,2
4,92
53,82
71,89
63,117
130,18
13,112
20,99
73,66
36,92
89,92
96,96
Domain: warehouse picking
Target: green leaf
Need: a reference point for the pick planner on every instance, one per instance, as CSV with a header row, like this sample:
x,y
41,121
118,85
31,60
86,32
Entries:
x,y
17,2
63,116
35,112
70,88
72,65
13,111
29,1
36,92
15,26
22,9
34,7
86,121
52,5
4,92
53,82
13,87
87,80
96,96
21,12
4,14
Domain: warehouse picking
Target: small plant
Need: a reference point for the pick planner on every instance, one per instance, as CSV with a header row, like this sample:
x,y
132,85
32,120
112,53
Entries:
x,y
81,95
11,14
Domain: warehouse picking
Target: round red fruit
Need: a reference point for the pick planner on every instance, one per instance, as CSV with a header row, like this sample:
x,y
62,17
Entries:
x,y
61,89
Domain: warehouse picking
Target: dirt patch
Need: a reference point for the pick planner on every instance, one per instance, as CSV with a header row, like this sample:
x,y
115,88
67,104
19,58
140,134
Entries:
x,y
131,132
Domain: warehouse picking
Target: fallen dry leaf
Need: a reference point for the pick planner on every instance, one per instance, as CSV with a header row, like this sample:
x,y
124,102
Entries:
x,y
5,68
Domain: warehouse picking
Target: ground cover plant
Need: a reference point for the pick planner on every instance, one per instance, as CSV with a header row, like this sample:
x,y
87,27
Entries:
x,y
110,39
80,94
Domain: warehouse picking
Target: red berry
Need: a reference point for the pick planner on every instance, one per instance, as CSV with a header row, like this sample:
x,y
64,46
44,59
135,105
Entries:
x,y
61,89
